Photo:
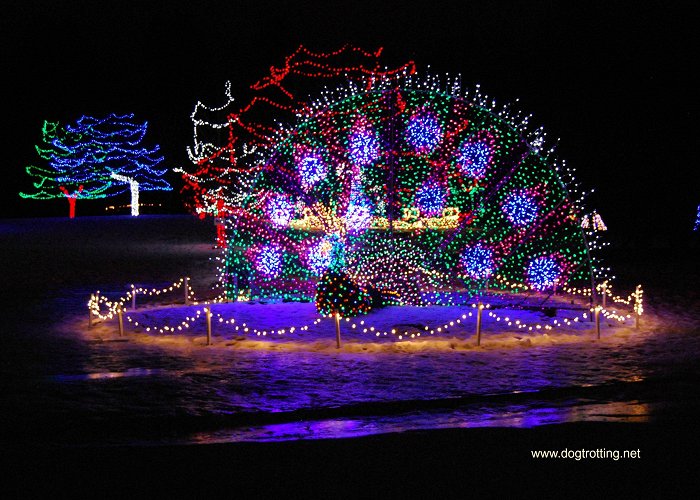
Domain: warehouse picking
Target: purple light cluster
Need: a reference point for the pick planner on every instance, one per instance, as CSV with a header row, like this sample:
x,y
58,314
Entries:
x,y
475,157
312,169
280,210
430,199
269,261
358,215
424,132
363,147
520,208
542,272
477,261
319,256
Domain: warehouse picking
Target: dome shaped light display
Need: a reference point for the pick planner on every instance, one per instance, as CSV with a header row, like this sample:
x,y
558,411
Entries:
x,y
413,188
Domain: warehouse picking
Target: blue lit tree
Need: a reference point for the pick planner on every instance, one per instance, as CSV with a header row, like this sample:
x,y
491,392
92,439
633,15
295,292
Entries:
x,y
113,149
94,158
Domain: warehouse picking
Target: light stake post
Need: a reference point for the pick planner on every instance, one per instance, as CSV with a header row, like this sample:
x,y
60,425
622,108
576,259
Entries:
x,y
637,306
479,309
93,300
337,330
120,316
97,305
187,289
604,290
208,312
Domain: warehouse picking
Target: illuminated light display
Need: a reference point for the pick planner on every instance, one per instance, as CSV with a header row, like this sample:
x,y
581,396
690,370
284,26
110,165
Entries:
x,y
97,157
478,262
312,169
393,267
61,178
337,293
98,303
697,220
363,145
520,208
358,215
280,210
419,197
593,222
320,256
269,261
475,155
463,189
543,272
424,132
134,188
431,199
229,138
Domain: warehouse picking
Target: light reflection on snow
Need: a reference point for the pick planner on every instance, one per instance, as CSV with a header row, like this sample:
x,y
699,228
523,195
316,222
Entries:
x,y
520,416
261,379
131,372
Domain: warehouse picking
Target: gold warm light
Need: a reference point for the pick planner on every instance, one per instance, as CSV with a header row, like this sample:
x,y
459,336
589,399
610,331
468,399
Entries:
x,y
321,218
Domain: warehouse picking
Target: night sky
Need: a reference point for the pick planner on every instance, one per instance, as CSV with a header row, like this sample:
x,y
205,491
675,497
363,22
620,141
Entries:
x,y
615,81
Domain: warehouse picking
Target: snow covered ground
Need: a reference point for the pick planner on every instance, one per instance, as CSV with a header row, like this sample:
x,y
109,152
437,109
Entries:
x,y
297,326
252,385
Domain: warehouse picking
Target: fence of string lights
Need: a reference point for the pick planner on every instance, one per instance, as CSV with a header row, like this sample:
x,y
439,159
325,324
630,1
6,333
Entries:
x,y
100,308
393,189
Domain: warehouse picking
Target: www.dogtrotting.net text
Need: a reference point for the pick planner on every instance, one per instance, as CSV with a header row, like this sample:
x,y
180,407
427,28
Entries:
x,y
584,454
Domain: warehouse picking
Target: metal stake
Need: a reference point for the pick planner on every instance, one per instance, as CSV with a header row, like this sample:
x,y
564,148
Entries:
x,y
208,311
337,330
636,307
120,316
479,308
92,300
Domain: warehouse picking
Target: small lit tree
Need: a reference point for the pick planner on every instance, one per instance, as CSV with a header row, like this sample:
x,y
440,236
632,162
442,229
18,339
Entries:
x,y
113,147
94,158
58,178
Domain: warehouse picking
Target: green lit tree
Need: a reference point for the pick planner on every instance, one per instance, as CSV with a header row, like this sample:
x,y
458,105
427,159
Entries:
x,y
57,179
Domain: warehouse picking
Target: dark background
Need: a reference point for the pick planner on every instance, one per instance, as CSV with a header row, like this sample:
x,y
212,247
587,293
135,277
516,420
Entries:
x,y
615,81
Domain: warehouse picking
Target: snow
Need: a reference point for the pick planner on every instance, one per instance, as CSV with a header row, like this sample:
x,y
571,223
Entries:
x,y
509,321
312,333
58,367
156,251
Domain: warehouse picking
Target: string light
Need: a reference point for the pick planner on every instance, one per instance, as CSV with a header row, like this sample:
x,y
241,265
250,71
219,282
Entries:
x,y
455,177
476,154
94,158
228,139
597,223
353,304
389,155
543,272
